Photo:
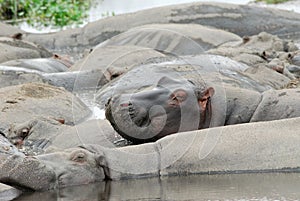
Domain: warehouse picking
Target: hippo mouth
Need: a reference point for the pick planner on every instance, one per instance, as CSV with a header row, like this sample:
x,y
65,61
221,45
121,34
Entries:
x,y
139,116
135,123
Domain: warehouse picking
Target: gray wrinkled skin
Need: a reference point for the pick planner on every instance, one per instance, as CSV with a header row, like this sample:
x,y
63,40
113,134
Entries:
x,y
56,170
201,69
236,85
243,20
45,135
178,39
46,65
28,101
12,49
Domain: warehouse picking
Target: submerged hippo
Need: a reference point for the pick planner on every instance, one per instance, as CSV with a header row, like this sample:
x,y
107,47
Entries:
x,y
72,167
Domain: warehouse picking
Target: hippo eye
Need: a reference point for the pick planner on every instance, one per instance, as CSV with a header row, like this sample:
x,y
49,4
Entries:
x,y
79,157
24,133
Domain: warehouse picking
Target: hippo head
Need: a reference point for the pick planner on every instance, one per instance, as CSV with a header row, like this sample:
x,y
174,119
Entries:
x,y
70,167
75,166
172,106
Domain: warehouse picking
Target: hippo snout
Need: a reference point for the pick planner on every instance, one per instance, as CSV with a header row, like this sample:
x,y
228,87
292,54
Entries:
x,y
75,166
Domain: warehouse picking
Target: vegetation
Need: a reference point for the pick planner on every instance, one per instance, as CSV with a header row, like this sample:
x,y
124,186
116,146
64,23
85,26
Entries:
x,y
56,13
272,1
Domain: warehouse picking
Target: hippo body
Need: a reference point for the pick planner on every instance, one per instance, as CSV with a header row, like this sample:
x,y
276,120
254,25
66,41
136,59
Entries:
x,y
45,135
177,39
46,65
134,110
134,115
243,20
25,102
71,81
12,49
49,171
244,148
113,60
201,69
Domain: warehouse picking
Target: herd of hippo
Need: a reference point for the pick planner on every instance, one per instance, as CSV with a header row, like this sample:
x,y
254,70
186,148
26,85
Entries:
x,y
190,69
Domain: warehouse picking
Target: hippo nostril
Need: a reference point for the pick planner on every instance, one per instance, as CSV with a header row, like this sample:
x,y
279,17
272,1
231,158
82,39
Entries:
x,y
126,104
107,102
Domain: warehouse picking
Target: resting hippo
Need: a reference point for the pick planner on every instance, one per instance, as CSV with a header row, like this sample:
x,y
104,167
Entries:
x,y
244,148
29,101
100,66
239,19
11,49
200,68
56,170
178,105
141,108
113,61
46,65
71,81
261,48
45,135
178,39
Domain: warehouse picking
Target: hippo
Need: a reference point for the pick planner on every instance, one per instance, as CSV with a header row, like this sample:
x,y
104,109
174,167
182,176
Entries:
x,y
243,148
261,48
114,61
144,111
178,39
99,67
243,20
19,49
25,102
177,105
46,65
56,170
70,81
200,68
45,135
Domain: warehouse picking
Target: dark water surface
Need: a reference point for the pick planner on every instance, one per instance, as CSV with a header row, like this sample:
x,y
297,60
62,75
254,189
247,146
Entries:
x,y
268,186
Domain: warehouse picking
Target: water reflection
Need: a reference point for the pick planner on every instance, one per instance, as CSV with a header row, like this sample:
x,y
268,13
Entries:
x,y
272,186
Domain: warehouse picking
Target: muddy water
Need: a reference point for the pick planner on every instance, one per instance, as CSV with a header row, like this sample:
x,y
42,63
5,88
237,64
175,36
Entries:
x,y
268,186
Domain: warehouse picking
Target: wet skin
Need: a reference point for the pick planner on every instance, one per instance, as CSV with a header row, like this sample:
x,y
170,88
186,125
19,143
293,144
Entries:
x,y
172,106
71,167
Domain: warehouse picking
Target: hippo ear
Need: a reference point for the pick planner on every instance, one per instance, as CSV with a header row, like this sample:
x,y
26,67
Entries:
x,y
166,81
205,96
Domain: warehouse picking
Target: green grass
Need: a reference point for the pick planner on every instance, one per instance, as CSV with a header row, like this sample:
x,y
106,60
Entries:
x,y
55,13
272,1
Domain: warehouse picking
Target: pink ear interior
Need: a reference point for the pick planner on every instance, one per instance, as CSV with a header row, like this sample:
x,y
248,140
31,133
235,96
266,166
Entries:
x,y
209,92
